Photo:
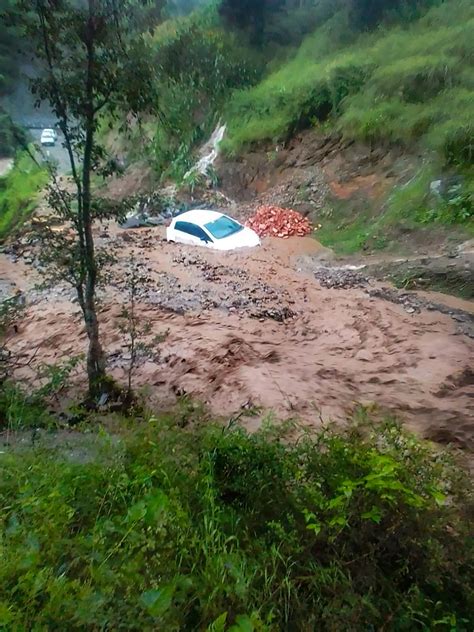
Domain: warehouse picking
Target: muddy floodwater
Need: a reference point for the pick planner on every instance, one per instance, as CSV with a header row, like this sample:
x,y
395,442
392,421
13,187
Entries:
x,y
261,328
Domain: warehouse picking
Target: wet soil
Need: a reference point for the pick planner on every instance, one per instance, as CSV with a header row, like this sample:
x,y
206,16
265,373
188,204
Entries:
x,y
313,170
263,328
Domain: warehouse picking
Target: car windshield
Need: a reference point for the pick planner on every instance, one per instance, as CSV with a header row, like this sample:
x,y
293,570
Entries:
x,y
223,227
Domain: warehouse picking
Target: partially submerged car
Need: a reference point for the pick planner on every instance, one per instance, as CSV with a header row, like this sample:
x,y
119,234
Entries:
x,y
212,229
139,219
48,137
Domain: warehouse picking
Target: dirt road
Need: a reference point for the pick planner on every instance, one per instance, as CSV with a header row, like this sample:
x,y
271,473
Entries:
x,y
259,329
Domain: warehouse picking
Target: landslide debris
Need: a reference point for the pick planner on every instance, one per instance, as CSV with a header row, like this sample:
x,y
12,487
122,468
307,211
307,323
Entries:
x,y
275,221
340,278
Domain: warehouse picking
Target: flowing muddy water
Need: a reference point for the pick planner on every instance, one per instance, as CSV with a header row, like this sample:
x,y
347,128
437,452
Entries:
x,y
256,328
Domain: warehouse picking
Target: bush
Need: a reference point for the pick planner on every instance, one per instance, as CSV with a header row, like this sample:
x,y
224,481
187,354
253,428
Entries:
x,y
167,529
18,191
12,137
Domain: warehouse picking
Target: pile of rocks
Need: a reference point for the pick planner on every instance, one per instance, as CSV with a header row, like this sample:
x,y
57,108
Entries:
x,y
279,222
340,278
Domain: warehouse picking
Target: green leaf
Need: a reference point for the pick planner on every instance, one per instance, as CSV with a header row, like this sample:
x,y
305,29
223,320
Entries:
x,y
156,503
339,521
315,526
243,623
337,501
218,625
136,512
374,514
6,614
158,601
439,497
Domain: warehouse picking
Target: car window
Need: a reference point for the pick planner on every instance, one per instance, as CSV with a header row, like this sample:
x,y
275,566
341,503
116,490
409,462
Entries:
x,y
223,227
192,229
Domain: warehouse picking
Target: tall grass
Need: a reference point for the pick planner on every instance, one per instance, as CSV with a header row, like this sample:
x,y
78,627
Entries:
x,y
215,530
402,84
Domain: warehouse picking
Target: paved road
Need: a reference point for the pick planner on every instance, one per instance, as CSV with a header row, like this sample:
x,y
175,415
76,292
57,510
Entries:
x,y
57,154
21,106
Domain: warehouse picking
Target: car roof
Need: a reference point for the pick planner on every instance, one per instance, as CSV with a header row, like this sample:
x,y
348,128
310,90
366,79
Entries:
x,y
48,130
198,216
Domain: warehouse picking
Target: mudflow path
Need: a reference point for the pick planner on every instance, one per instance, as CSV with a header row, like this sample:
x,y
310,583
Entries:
x,y
254,329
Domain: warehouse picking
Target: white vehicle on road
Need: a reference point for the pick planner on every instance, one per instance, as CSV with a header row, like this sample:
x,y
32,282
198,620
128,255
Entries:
x,y
211,229
48,137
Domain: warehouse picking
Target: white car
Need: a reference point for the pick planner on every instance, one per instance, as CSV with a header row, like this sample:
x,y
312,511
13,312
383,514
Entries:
x,y
211,229
48,137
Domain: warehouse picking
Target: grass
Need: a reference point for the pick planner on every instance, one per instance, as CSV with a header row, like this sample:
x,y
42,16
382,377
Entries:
x,y
404,84
215,529
347,234
410,207
18,193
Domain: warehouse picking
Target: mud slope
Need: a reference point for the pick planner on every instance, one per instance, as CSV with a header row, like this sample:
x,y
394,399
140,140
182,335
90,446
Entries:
x,y
313,171
250,328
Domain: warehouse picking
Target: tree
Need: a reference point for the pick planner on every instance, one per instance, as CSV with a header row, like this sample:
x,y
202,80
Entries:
x,y
249,15
92,69
369,14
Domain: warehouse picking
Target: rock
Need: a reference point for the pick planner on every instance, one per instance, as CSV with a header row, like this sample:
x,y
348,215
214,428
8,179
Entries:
x,y
413,303
435,187
340,278
364,355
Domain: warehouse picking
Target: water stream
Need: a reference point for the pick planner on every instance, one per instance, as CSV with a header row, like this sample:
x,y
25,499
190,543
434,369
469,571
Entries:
x,y
209,151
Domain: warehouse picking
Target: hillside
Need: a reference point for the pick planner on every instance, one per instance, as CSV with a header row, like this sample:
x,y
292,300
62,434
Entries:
x,y
406,90
407,83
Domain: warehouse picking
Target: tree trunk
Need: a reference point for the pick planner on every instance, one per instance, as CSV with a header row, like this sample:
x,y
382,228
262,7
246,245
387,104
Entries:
x,y
95,355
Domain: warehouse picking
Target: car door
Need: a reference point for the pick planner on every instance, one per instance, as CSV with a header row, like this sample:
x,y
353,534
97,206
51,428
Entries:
x,y
192,234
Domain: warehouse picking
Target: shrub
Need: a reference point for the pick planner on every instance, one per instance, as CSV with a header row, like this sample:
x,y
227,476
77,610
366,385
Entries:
x,y
11,136
18,190
168,529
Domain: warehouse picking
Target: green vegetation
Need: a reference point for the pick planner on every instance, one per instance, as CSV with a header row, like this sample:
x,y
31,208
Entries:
x,y
157,527
18,191
197,65
405,84
10,136
409,207
384,75
8,61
